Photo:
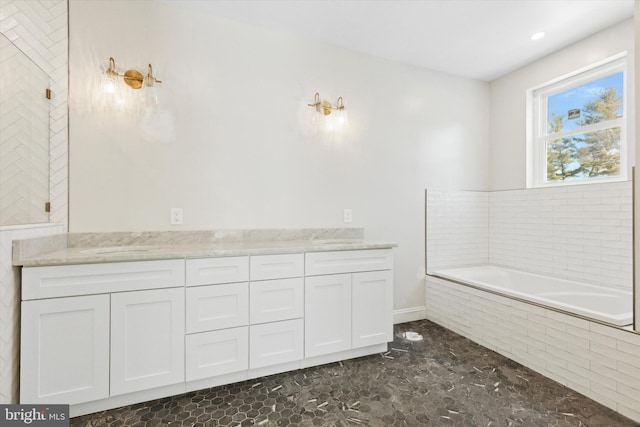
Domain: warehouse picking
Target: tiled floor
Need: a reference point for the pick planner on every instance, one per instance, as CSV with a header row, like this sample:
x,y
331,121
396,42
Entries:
x,y
443,380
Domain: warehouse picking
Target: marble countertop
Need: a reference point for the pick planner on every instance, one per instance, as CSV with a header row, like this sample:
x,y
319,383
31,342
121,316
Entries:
x,y
86,248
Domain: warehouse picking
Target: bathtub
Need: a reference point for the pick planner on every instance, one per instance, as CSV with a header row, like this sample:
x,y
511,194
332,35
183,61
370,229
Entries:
x,y
611,306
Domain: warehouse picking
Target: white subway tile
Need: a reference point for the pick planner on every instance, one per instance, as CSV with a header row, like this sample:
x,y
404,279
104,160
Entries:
x,y
628,396
539,356
634,413
600,394
599,381
579,332
570,358
529,308
605,371
629,342
562,318
587,376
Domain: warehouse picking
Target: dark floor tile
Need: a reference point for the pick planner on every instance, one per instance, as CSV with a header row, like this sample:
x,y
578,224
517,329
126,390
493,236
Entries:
x,y
443,380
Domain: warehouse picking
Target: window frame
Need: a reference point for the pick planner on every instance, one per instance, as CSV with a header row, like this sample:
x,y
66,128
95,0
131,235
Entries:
x,y
537,122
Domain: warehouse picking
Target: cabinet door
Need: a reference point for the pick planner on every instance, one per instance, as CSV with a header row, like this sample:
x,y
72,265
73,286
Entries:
x,y
275,343
275,300
372,316
147,339
217,353
217,307
327,305
64,354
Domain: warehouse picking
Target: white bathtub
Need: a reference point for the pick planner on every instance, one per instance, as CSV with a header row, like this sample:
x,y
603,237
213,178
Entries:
x,y
603,304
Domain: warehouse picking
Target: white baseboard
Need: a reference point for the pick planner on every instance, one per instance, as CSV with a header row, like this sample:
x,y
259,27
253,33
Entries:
x,y
409,314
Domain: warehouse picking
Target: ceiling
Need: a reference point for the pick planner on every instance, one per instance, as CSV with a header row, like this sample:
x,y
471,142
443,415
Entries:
x,y
480,39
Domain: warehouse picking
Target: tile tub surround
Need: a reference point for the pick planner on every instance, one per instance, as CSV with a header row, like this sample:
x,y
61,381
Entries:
x,y
457,228
577,232
80,248
445,379
598,361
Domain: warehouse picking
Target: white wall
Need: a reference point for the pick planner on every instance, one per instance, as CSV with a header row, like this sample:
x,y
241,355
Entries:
x,y
507,156
239,158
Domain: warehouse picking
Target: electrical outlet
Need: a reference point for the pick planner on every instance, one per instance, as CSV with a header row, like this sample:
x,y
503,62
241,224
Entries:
x,y
347,216
176,216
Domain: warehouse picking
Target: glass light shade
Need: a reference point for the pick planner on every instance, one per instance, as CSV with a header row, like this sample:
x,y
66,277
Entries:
x,y
340,120
111,94
315,120
150,100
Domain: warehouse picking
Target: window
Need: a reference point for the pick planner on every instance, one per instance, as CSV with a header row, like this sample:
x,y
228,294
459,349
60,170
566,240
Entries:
x,y
577,131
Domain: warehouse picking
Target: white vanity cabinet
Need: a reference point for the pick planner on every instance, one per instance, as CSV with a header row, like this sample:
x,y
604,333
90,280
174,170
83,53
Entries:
x,y
77,349
348,300
99,336
217,305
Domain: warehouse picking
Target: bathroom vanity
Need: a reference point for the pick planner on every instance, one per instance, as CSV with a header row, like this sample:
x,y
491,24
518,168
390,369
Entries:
x,y
111,331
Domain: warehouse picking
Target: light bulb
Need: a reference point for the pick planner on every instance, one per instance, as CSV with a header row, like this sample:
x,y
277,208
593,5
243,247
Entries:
x,y
108,85
341,121
110,93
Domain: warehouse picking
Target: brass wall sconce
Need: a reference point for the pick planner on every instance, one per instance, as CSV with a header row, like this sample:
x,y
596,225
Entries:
x,y
336,122
113,95
133,78
325,106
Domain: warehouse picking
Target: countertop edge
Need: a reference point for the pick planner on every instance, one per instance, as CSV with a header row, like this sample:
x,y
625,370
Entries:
x,y
71,256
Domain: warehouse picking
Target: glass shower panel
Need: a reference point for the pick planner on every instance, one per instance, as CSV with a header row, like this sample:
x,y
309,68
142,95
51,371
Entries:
x,y
24,138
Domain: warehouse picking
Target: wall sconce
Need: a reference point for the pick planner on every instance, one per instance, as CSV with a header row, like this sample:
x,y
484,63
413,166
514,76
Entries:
x,y
112,95
332,119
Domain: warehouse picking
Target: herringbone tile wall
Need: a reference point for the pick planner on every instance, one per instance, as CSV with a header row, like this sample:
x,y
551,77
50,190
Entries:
x,y
39,29
24,138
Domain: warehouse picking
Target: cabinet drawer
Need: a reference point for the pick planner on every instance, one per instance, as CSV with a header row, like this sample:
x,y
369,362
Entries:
x,y
209,354
217,307
86,279
265,267
275,343
318,263
274,300
213,271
